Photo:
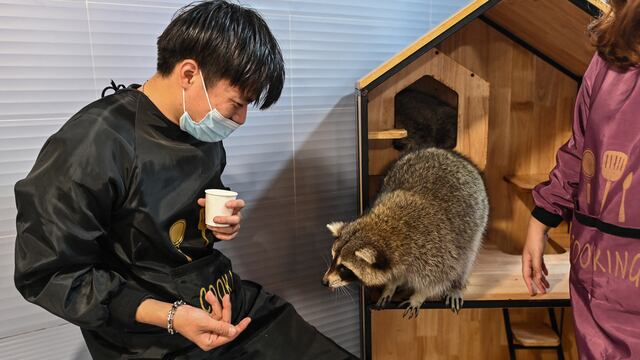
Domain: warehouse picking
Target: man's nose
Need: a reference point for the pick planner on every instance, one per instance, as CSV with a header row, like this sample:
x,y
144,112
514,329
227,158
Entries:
x,y
241,115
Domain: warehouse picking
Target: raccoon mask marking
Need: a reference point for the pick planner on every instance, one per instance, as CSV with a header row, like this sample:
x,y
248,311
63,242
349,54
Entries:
x,y
353,259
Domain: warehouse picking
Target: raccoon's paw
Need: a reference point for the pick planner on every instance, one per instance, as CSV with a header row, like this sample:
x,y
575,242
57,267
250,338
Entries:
x,y
383,301
455,300
412,310
386,296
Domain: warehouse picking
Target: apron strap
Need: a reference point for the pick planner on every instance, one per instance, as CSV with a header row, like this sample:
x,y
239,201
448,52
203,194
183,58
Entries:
x,y
607,228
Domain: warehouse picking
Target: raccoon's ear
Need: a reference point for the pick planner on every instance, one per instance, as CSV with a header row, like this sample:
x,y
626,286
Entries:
x,y
373,257
335,228
367,254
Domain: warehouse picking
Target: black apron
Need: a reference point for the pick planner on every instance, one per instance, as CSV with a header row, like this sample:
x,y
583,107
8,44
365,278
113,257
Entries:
x,y
276,330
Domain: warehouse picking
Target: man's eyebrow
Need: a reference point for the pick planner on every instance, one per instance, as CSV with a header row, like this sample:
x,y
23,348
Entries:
x,y
241,100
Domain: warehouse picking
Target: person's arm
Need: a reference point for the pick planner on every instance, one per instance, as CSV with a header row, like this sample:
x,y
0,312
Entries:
x,y
64,212
554,198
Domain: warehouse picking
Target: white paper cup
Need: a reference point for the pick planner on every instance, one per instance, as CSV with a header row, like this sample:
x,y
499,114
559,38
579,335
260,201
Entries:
x,y
215,205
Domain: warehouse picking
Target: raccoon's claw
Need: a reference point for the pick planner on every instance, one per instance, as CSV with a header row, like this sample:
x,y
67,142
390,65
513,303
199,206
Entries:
x,y
383,300
455,300
411,312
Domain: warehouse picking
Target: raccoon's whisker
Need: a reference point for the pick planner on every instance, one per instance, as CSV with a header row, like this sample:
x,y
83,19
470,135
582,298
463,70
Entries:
x,y
345,290
326,260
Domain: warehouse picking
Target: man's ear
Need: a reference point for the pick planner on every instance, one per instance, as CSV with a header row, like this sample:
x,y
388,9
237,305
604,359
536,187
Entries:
x,y
186,71
335,228
373,257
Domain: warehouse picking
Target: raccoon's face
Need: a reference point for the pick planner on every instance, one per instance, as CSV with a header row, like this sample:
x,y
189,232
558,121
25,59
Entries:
x,y
353,258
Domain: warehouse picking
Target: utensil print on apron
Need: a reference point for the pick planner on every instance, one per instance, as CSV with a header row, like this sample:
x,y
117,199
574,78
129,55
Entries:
x,y
588,170
613,166
625,185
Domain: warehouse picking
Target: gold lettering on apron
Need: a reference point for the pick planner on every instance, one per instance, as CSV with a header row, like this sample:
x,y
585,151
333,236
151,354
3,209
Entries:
x,y
635,278
586,263
216,293
609,260
596,261
220,286
575,250
619,262
203,294
227,287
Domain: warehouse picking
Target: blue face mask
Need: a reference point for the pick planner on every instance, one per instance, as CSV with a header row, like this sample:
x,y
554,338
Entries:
x,y
213,128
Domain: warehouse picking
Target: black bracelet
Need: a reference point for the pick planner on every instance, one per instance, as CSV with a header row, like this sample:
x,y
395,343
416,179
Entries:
x,y
171,314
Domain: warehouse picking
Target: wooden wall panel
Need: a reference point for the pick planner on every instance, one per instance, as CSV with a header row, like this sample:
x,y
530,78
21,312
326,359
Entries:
x,y
556,28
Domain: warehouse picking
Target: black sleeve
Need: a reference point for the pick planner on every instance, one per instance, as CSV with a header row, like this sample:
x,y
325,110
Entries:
x,y
64,210
548,218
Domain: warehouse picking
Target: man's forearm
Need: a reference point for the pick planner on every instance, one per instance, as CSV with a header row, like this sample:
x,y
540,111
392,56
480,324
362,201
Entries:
x,y
153,312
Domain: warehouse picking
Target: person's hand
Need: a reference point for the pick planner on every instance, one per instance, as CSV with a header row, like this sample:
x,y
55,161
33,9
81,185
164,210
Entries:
x,y
534,271
208,331
231,231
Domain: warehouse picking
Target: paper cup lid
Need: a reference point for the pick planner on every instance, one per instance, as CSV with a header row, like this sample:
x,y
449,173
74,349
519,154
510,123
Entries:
x,y
220,192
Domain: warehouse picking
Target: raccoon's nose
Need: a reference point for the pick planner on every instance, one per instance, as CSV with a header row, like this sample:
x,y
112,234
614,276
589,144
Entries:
x,y
325,282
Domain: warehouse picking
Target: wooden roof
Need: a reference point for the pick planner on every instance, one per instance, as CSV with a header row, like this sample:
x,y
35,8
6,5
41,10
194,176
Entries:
x,y
555,29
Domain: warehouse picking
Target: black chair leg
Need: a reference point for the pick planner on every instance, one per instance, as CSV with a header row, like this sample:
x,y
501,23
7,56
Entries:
x,y
554,326
507,327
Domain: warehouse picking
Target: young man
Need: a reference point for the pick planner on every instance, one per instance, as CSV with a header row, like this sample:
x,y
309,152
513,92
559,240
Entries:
x,y
111,233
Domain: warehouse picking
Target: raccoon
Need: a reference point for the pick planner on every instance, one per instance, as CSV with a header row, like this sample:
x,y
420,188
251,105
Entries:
x,y
429,122
423,231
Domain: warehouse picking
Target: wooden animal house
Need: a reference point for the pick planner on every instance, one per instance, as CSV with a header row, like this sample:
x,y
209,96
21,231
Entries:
x,y
511,70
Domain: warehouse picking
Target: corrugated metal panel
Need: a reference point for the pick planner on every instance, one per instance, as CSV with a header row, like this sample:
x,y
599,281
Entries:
x,y
294,164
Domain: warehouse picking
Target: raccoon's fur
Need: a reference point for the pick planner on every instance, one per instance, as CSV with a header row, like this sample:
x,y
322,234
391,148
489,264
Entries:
x,y
429,122
423,231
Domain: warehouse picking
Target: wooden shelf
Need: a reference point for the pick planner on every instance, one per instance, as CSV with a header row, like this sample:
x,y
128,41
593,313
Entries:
x,y
526,182
498,276
388,134
534,335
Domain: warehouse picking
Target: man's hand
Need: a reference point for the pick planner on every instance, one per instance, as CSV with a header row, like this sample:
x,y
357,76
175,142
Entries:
x,y
208,331
533,268
231,231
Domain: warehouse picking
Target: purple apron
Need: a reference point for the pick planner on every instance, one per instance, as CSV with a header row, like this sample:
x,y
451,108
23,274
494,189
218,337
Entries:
x,y
596,185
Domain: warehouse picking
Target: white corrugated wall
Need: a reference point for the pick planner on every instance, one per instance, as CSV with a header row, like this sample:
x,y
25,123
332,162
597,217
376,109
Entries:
x,y
294,164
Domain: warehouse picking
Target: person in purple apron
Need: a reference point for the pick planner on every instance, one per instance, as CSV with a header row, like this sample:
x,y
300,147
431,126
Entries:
x,y
595,185
111,234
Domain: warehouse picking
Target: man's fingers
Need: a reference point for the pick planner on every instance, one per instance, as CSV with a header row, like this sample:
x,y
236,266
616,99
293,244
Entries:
x,y
236,205
226,308
229,220
228,230
226,237
242,325
221,328
216,308
201,202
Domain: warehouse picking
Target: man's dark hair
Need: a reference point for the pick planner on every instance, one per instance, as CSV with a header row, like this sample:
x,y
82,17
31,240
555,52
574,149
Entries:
x,y
228,42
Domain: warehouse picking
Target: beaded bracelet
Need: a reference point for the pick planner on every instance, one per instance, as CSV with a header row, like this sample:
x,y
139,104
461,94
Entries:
x,y
172,312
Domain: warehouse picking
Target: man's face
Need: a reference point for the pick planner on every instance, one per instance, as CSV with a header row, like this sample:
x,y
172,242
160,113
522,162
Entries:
x,y
227,99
